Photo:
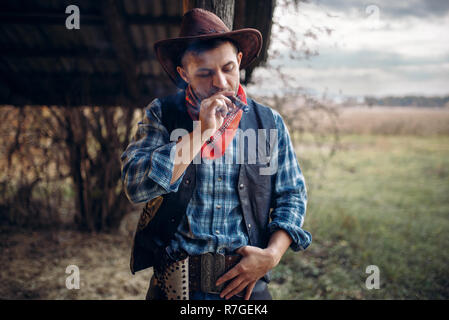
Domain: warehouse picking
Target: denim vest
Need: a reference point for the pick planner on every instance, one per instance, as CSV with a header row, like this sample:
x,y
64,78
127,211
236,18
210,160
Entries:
x,y
162,215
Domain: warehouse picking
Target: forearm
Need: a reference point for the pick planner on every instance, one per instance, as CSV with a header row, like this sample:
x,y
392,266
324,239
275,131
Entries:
x,y
146,170
278,245
186,149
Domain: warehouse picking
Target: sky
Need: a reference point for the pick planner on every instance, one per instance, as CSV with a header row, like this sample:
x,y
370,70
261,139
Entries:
x,y
364,48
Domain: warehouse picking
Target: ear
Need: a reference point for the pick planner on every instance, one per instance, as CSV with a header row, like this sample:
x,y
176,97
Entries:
x,y
239,57
182,73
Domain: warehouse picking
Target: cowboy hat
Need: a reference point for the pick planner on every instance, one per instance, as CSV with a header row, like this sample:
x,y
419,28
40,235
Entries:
x,y
199,24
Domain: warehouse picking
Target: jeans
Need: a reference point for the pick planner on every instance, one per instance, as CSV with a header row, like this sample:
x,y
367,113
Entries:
x,y
260,292
199,295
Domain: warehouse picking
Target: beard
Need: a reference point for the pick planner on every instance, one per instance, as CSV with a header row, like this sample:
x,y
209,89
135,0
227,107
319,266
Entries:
x,y
202,96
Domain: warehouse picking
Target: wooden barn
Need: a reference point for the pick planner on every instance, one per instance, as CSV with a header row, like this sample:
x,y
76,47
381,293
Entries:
x,y
109,60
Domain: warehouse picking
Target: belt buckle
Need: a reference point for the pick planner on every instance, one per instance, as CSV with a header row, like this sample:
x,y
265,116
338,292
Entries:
x,y
212,267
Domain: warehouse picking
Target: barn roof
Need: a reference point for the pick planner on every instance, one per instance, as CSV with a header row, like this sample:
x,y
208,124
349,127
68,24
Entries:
x,y
108,61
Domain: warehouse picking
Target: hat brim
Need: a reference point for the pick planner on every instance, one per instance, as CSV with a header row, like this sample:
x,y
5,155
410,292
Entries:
x,y
249,42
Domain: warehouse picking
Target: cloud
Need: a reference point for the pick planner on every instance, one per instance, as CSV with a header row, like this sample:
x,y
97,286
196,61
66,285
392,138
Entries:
x,y
407,52
362,58
369,72
392,9
399,80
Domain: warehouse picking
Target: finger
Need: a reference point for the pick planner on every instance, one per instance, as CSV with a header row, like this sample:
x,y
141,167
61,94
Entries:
x,y
222,108
228,275
249,290
214,106
226,99
225,93
231,287
220,94
238,289
217,101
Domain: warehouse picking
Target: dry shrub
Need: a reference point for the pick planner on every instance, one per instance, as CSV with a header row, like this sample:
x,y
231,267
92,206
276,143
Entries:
x,y
61,162
30,164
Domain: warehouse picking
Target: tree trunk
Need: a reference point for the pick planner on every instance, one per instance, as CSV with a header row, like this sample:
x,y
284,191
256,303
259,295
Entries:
x,y
222,8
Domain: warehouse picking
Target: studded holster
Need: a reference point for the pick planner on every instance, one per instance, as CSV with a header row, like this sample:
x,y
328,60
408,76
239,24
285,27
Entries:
x,y
173,281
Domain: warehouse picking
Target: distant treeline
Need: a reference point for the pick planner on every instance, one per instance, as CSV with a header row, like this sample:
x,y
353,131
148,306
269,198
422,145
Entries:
x,y
408,101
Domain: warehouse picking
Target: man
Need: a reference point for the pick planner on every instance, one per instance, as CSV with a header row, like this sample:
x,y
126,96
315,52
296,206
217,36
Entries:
x,y
220,213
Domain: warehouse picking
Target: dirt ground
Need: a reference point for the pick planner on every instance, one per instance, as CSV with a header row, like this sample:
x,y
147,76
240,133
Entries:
x,y
33,265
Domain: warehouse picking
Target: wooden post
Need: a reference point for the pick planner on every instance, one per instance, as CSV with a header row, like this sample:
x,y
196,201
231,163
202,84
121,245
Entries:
x,y
222,8
117,29
239,14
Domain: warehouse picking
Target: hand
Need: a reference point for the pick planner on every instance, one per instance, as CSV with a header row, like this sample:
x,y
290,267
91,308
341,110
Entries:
x,y
255,263
214,109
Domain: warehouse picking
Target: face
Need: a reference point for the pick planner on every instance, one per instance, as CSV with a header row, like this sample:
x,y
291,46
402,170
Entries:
x,y
212,71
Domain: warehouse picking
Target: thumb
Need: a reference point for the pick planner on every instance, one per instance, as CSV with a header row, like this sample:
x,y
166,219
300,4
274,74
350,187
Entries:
x,y
241,251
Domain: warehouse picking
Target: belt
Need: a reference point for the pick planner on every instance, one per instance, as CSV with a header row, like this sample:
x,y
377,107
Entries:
x,y
202,271
205,269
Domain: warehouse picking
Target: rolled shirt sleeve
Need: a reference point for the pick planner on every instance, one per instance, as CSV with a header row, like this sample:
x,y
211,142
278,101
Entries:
x,y
148,161
290,194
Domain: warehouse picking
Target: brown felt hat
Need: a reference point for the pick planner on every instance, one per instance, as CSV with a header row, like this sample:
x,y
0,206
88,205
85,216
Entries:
x,y
199,24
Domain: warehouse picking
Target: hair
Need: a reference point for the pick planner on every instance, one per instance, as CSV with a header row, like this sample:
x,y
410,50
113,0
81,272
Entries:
x,y
201,46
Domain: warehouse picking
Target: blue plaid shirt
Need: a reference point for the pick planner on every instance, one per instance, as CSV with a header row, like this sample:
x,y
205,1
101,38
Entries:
x,y
214,219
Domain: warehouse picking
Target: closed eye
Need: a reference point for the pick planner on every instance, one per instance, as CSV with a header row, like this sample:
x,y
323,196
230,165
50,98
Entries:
x,y
228,67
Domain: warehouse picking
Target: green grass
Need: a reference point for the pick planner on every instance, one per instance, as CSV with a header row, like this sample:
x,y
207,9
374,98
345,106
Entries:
x,y
380,200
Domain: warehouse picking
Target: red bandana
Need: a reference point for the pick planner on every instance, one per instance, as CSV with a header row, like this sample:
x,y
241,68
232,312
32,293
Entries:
x,y
215,147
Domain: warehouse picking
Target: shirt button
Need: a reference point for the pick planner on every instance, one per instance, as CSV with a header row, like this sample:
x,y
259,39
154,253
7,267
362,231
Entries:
x,y
219,179
217,231
249,225
241,186
218,206
187,181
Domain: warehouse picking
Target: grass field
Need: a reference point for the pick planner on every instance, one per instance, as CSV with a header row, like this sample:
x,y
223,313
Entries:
x,y
381,200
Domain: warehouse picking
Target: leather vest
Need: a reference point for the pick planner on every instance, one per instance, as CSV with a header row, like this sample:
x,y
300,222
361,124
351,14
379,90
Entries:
x,y
161,216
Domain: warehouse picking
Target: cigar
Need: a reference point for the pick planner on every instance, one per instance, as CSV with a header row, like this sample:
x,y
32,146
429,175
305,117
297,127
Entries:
x,y
237,102
239,105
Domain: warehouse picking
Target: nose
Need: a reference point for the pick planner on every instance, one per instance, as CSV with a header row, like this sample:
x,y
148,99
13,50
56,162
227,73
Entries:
x,y
219,81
